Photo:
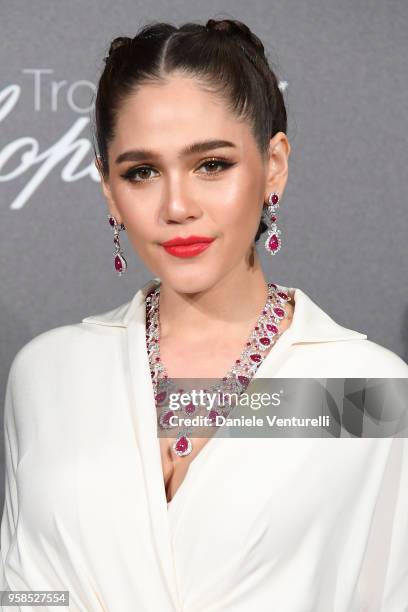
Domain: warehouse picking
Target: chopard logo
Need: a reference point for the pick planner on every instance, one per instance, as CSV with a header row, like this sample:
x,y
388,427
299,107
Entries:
x,y
70,152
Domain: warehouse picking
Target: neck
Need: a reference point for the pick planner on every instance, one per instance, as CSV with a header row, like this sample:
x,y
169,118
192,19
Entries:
x,y
233,302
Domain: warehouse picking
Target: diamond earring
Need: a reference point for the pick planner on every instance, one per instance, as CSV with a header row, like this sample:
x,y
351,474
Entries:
x,y
273,242
119,261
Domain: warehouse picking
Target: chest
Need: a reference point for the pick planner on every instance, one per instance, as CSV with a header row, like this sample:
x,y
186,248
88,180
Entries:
x,y
210,361
175,468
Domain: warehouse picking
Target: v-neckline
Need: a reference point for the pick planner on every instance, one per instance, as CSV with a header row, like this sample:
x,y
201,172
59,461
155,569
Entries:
x,y
283,342
173,503
142,371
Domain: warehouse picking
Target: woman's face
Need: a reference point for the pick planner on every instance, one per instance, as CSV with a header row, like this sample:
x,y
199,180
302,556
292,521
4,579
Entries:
x,y
160,190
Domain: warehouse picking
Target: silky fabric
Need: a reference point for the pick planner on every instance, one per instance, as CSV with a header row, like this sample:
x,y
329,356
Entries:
x,y
288,525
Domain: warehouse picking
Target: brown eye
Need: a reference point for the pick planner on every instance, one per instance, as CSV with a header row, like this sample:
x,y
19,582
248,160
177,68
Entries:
x,y
138,175
211,163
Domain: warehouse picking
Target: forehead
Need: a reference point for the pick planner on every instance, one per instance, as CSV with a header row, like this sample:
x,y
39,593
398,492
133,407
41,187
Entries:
x,y
172,111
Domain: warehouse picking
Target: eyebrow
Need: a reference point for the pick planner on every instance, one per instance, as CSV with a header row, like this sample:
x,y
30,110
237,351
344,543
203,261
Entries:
x,y
195,147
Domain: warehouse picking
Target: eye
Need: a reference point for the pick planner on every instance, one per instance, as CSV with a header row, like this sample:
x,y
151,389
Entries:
x,y
134,172
216,162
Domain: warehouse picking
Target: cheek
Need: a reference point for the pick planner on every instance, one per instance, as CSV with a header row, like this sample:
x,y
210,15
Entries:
x,y
239,210
138,215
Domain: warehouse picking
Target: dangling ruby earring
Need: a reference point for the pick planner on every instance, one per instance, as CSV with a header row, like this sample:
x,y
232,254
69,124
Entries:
x,y
119,261
273,242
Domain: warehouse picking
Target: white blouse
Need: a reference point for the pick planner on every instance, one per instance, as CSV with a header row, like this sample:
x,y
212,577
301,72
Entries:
x,y
258,524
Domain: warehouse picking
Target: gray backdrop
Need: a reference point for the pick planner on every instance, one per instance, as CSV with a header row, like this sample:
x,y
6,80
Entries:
x,y
343,213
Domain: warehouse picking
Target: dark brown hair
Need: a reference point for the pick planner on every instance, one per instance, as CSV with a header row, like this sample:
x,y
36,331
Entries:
x,y
224,55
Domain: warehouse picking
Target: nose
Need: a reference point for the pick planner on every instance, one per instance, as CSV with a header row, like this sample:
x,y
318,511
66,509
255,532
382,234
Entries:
x,y
179,205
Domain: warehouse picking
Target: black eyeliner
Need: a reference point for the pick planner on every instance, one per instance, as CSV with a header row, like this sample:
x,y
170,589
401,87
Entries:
x,y
130,173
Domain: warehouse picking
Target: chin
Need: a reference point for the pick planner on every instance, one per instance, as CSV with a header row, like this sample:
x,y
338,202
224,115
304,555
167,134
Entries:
x,y
193,280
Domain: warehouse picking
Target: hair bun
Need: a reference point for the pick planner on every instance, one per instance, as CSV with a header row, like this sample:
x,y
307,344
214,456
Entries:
x,y
116,43
231,27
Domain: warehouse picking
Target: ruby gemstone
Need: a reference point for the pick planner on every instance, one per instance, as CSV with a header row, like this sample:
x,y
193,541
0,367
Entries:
x,y
167,416
118,263
256,357
279,312
182,444
212,414
273,243
190,408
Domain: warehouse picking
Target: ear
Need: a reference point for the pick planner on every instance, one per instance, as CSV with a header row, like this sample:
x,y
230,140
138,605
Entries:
x,y
277,164
112,209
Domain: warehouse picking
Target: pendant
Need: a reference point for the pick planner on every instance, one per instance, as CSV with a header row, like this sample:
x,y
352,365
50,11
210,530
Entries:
x,y
273,241
182,446
120,263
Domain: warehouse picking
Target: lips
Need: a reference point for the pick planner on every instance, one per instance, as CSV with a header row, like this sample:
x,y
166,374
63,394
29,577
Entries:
x,y
187,247
178,240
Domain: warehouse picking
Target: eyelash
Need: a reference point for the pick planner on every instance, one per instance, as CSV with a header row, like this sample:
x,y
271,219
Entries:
x,y
130,174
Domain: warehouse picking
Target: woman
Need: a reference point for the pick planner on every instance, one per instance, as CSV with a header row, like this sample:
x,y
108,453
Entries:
x,y
191,132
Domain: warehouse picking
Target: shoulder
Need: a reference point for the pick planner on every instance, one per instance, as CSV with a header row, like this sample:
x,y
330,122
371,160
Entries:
x,y
49,343
60,372
62,348
84,347
379,360
353,358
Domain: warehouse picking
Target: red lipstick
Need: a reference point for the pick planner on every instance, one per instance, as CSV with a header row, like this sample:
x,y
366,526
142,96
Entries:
x,y
187,247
